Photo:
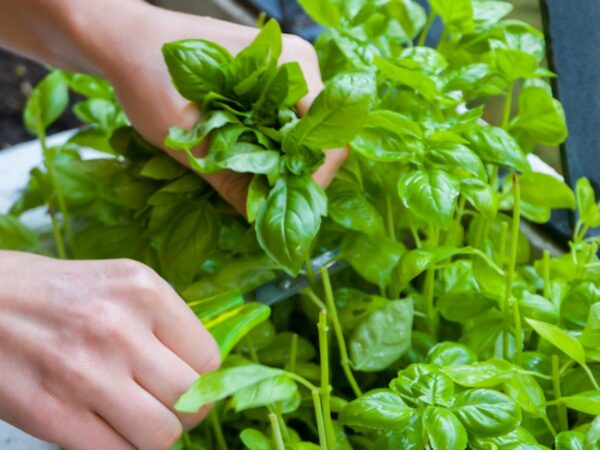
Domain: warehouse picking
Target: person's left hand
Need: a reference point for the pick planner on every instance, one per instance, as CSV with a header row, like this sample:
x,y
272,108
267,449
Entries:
x,y
136,69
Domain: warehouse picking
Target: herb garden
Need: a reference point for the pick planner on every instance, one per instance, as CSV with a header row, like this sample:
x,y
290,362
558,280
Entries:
x,y
448,330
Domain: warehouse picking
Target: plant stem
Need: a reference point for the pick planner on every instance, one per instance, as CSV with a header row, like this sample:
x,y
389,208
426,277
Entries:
x,y
277,438
503,237
415,235
457,220
507,107
425,31
319,417
429,286
217,430
518,334
510,274
561,407
337,327
251,349
293,353
546,270
62,205
390,217
325,384
314,298
549,425
58,239
310,273
590,375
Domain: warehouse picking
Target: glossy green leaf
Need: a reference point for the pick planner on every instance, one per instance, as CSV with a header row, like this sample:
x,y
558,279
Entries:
x,y
47,102
586,402
457,14
527,393
14,235
214,386
231,327
589,211
544,190
326,12
480,374
350,208
569,440
486,413
444,431
430,195
198,67
264,393
450,354
560,339
496,146
337,114
381,409
382,337
289,220
255,440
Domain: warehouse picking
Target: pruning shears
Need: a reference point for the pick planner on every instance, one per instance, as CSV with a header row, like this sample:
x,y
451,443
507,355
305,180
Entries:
x,y
230,315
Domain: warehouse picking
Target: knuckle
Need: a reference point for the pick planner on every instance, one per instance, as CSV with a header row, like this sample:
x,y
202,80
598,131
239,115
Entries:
x,y
137,276
298,44
168,434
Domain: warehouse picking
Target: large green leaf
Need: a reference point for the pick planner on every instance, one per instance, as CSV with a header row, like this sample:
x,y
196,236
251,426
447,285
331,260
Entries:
x,y
486,413
444,431
264,393
430,195
198,67
381,409
47,102
289,219
214,386
382,337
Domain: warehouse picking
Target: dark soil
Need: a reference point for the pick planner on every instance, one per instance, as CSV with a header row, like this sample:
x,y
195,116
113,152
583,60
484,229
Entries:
x,y
17,76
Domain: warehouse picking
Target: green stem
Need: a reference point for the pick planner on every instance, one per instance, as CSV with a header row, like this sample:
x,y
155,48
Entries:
x,y
303,381
325,383
58,239
337,327
429,286
217,430
415,235
426,28
460,210
390,217
310,273
549,425
503,237
546,270
507,107
510,274
277,437
294,353
62,205
590,375
319,416
314,298
561,407
251,349
518,334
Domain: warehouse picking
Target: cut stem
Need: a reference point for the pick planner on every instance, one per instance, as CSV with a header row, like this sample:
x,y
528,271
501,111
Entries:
x,y
337,327
325,384
510,273
563,419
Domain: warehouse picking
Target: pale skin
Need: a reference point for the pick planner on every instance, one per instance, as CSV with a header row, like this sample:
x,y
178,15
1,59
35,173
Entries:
x,y
95,353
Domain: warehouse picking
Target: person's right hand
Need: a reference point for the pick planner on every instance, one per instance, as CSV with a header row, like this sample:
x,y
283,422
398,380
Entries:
x,y
94,354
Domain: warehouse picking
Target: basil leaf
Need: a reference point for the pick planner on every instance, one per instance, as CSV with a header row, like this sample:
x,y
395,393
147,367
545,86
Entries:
x,y
255,440
289,220
14,235
589,211
214,386
430,195
585,402
481,374
495,145
324,12
349,208
443,429
258,192
380,409
198,67
47,102
457,157
592,437
569,440
337,114
415,262
540,116
560,339
450,354
264,393
162,167
382,337
484,412
525,390
544,190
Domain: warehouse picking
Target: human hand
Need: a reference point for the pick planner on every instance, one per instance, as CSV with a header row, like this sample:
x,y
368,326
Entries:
x,y
95,353
135,67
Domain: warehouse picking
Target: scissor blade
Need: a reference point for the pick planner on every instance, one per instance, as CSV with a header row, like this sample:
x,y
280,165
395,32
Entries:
x,y
285,286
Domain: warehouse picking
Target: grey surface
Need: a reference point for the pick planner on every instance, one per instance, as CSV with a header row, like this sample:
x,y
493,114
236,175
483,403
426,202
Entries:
x,y
13,439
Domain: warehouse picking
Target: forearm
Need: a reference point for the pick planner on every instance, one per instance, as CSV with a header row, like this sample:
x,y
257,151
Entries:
x,y
64,33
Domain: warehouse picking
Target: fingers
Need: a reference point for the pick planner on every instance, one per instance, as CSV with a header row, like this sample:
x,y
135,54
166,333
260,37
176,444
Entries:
x,y
74,428
139,417
334,159
164,375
